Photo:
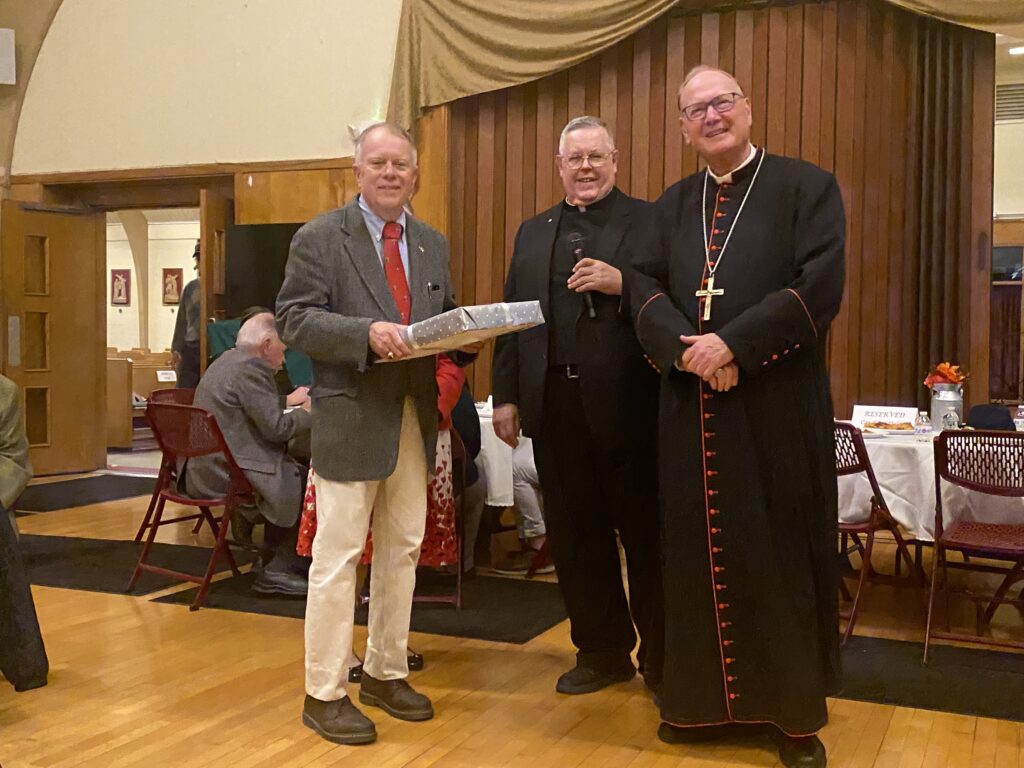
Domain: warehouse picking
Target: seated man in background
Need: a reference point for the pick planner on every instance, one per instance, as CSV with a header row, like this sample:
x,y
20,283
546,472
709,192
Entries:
x,y
239,390
529,512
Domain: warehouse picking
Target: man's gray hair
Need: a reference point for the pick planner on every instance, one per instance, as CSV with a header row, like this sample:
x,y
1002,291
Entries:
x,y
699,70
582,122
255,331
392,128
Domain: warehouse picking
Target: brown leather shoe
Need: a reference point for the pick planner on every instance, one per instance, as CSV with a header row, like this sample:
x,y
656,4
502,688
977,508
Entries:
x,y
396,697
338,721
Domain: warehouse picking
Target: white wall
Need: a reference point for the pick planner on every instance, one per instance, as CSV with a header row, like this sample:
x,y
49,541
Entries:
x,y
1009,169
122,322
146,83
170,246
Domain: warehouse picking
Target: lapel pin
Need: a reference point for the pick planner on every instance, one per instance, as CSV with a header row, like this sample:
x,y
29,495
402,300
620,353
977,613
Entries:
x,y
421,248
550,220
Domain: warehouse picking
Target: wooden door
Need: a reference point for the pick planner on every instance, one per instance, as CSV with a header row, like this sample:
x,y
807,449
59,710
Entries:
x,y
55,334
216,211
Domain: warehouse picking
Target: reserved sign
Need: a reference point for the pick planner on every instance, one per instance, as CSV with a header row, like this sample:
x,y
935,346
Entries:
x,y
884,414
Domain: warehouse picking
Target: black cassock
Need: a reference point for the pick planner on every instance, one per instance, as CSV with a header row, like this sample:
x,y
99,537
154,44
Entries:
x,y
747,477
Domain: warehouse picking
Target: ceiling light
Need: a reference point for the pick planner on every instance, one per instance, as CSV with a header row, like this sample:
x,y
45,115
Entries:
x,y
1017,51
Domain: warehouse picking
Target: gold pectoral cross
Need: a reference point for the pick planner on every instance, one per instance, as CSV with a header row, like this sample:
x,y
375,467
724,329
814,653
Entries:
x,y
708,294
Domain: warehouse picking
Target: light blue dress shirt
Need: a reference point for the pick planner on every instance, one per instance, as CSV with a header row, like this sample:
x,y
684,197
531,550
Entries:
x,y
375,224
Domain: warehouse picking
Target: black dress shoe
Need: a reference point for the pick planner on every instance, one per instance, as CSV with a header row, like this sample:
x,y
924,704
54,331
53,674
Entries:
x,y
584,678
801,751
274,582
695,734
396,697
339,721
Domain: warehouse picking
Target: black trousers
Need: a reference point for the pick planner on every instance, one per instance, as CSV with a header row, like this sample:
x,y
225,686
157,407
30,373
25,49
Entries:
x,y
592,491
188,368
22,654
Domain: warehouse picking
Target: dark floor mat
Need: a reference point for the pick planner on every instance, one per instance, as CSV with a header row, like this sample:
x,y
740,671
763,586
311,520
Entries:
x,y
968,681
502,610
83,491
100,565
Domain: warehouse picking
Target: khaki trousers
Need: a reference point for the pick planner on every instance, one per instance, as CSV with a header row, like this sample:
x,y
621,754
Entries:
x,y
399,506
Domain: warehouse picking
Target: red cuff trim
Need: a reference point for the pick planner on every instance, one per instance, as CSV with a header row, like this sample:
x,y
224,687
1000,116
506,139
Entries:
x,y
809,318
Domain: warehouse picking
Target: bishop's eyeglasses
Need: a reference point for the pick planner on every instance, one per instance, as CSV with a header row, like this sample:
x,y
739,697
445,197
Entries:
x,y
595,159
722,104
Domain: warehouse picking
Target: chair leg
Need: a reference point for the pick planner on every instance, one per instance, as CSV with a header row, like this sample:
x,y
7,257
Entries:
x,y
144,555
931,600
210,520
220,547
1011,578
197,527
160,479
865,566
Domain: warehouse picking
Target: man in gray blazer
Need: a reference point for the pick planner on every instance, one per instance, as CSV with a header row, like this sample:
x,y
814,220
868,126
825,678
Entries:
x,y
239,390
355,277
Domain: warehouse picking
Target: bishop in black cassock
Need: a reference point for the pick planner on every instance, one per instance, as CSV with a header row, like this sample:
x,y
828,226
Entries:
x,y
747,462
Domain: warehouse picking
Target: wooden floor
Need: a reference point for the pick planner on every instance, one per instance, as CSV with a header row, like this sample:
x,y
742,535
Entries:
x,y
134,683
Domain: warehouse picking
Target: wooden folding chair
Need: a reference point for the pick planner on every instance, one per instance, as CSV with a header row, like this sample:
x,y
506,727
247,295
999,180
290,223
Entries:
x,y
185,432
852,459
992,463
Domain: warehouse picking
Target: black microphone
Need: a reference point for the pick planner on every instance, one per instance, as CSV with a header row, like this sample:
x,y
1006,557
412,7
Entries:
x,y
576,243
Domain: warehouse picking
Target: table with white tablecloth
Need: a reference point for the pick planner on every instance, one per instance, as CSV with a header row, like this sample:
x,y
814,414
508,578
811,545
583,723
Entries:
x,y
904,466
496,458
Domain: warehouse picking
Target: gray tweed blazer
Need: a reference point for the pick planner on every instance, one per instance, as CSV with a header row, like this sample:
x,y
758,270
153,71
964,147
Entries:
x,y
334,288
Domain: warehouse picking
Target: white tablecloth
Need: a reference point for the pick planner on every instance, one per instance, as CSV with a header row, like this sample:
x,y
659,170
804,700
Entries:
x,y
905,469
496,457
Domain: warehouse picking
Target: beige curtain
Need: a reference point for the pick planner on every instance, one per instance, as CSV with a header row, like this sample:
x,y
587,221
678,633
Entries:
x,y
448,49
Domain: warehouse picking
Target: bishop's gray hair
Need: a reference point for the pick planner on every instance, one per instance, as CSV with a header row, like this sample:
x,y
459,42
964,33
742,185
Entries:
x,y
585,121
255,331
392,128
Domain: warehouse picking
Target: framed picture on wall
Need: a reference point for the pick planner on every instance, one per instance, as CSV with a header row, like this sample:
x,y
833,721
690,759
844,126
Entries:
x,y
121,287
172,285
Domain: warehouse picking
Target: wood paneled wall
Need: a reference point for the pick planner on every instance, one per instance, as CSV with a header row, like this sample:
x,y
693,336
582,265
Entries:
x,y
899,107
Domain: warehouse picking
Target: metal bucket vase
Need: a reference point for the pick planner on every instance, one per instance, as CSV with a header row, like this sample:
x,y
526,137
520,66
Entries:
x,y
947,400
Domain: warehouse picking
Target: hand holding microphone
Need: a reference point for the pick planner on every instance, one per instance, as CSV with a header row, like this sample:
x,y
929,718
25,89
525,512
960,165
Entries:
x,y
591,274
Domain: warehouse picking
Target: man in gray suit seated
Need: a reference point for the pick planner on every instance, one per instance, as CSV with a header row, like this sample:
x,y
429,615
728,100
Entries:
x,y
239,390
355,277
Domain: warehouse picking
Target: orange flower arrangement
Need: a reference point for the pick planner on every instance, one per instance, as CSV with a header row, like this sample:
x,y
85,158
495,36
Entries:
x,y
945,373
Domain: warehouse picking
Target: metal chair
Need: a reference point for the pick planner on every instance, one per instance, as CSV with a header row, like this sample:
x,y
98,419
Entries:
x,y
181,397
185,432
852,459
988,462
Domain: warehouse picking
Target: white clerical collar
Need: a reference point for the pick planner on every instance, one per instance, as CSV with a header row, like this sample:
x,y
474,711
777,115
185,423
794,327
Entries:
x,y
727,178
583,208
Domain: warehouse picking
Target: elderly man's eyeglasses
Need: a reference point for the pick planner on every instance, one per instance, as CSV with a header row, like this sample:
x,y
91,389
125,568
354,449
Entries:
x,y
595,159
722,104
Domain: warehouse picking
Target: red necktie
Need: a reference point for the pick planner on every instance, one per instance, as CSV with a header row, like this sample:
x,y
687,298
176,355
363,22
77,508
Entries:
x,y
394,271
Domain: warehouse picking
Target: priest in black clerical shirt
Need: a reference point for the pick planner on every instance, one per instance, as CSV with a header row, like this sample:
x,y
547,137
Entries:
x,y
580,387
732,295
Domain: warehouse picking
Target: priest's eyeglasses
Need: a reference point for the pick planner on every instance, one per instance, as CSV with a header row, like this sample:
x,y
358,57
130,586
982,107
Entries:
x,y
595,159
722,104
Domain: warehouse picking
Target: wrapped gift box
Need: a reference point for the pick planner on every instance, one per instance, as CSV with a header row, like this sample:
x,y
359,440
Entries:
x,y
466,325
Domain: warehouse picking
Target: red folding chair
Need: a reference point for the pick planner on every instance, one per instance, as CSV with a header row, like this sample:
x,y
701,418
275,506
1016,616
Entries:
x,y
181,397
185,432
852,459
992,463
